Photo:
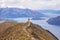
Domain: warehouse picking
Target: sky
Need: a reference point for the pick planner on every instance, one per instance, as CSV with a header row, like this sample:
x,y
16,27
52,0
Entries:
x,y
31,4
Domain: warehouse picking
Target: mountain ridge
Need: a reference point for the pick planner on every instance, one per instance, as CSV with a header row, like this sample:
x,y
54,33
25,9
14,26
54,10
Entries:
x,y
17,12
26,31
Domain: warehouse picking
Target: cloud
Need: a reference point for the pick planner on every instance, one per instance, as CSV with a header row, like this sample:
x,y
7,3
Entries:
x,y
32,4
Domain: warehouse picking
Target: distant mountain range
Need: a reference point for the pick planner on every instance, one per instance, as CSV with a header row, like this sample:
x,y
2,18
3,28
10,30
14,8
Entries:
x,y
17,12
54,21
50,11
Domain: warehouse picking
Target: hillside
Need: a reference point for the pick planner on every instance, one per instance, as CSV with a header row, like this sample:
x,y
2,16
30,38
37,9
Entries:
x,y
26,31
6,25
54,21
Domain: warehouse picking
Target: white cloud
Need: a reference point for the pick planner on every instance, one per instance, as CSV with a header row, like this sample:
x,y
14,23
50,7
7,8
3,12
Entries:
x,y
32,4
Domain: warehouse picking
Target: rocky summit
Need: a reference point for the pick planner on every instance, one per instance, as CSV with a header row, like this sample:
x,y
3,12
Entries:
x,y
24,31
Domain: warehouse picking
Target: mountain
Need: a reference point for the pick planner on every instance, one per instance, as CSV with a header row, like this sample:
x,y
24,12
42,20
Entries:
x,y
24,31
54,21
17,12
50,11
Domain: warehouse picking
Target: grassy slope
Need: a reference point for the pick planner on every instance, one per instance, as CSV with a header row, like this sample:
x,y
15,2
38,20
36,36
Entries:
x,y
25,31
